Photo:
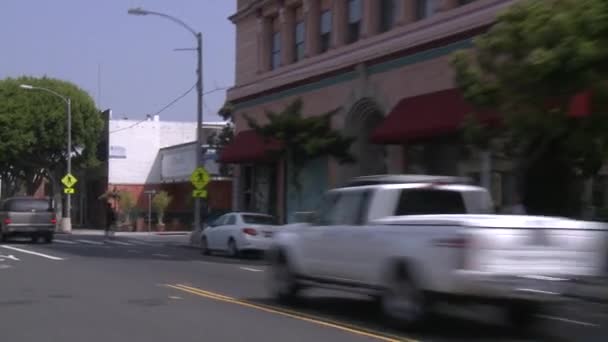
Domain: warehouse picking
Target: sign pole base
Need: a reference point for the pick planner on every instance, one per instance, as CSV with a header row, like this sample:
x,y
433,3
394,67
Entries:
x,y
66,225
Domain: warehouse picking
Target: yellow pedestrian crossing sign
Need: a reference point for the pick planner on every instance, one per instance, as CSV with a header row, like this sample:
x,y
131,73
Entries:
x,y
200,178
199,193
69,191
69,180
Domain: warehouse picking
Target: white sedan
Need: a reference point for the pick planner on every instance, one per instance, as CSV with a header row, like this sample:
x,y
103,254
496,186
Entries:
x,y
235,233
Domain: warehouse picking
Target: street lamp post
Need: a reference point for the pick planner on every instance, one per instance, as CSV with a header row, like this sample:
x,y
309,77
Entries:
x,y
66,222
199,89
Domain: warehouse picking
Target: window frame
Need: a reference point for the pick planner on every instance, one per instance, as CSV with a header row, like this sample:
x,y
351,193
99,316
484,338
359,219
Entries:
x,y
275,50
392,7
426,9
299,46
325,36
354,23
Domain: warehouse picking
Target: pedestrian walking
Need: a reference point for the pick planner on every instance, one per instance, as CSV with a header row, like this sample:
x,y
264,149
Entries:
x,y
110,219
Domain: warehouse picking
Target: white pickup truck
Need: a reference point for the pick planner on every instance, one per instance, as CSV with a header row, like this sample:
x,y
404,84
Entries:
x,y
411,241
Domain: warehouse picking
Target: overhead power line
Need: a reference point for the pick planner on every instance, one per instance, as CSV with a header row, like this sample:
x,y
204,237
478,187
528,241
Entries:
x,y
169,105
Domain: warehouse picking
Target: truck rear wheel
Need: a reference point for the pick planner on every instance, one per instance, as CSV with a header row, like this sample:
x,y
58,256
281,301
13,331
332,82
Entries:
x,y
282,282
522,314
403,303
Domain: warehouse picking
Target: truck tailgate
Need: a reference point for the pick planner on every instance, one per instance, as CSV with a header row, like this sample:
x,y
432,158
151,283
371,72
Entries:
x,y
539,251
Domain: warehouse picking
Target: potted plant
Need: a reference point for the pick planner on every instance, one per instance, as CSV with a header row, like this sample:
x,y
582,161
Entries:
x,y
127,203
160,203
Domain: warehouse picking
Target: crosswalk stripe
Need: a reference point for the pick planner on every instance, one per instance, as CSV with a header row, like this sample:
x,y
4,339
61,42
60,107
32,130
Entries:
x,y
90,242
67,242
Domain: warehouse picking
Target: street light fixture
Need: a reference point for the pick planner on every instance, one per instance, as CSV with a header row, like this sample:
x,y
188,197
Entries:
x,y
199,87
66,222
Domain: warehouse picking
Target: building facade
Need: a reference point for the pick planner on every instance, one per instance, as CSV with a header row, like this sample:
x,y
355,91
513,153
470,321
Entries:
x,y
161,155
383,64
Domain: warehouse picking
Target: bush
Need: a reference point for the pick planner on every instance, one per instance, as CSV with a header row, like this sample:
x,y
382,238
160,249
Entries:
x,y
160,203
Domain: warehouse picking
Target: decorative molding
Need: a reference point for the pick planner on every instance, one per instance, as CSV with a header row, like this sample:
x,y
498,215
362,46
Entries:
x,y
437,27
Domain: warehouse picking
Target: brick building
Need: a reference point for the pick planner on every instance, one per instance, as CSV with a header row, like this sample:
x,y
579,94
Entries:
x,y
385,64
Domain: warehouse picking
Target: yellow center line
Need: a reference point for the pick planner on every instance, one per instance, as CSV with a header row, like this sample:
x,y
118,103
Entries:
x,y
291,314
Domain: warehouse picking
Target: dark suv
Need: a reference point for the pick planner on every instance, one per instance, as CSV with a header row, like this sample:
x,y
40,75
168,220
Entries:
x,y
27,216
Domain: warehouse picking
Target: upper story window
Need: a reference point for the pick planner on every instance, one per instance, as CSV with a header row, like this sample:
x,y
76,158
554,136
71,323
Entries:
x,y
426,8
300,37
355,15
388,14
326,23
275,50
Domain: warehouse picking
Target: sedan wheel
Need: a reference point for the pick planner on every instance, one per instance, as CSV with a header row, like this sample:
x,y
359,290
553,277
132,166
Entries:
x,y
281,281
204,247
233,251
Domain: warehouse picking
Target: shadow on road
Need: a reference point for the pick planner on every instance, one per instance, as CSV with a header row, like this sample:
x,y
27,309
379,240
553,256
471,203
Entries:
x,y
440,327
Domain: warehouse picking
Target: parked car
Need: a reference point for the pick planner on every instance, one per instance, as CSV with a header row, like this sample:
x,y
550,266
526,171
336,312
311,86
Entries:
x,y
410,241
238,232
27,217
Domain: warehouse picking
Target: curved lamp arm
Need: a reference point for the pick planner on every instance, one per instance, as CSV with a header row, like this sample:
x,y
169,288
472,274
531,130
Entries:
x,y
141,11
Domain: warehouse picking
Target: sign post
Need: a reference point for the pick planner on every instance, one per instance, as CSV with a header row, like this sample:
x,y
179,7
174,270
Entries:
x,y
150,193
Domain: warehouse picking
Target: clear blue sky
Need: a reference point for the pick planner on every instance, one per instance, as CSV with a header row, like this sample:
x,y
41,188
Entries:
x,y
139,71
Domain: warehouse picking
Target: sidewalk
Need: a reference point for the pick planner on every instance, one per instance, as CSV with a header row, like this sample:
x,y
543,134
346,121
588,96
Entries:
x,y
101,232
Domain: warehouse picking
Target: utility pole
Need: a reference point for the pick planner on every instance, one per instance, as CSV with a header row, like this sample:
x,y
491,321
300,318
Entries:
x,y
199,91
199,123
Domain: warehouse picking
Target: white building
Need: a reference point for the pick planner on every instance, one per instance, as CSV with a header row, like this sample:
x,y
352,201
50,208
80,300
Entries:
x,y
151,151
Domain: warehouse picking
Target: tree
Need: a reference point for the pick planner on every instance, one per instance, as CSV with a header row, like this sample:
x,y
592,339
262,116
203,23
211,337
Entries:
x,y
160,203
303,138
33,130
220,140
528,67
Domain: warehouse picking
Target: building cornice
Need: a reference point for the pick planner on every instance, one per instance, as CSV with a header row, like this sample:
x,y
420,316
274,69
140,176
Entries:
x,y
248,10
442,25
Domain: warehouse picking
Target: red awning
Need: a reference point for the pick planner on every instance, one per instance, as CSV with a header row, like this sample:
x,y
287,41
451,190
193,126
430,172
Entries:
x,y
424,116
248,147
443,112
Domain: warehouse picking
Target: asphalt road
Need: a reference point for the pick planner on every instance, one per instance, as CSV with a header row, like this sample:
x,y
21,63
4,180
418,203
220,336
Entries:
x,y
146,288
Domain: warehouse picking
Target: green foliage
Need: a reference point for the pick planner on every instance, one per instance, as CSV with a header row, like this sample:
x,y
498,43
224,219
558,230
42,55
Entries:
x,y
220,140
528,67
160,203
33,123
304,138
227,111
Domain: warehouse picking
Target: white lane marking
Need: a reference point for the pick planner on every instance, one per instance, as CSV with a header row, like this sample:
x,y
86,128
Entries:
x,y
3,267
32,252
251,269
161,255
139,243
566,320
67,242
11,257
119,243
90,242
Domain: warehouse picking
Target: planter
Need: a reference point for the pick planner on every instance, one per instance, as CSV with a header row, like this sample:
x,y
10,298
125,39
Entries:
x,y
175,224
160,227
140,224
